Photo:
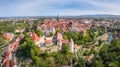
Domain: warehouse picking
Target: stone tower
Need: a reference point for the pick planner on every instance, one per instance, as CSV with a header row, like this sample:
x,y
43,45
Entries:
x,y
71,44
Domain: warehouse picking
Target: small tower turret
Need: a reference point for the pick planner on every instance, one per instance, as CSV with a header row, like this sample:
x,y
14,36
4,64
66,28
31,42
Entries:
x,y
71,44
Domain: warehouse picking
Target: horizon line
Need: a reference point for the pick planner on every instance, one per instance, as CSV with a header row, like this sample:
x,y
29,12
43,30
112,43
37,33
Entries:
x,y
58,15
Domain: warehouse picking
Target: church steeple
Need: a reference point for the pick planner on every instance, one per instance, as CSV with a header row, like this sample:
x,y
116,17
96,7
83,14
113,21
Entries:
x,y
57,17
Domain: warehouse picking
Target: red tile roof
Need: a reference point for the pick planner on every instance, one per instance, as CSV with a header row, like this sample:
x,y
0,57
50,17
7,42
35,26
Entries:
x,y
75,46
8,52
14,45
7,36
90,57
35,37
7,62
48,41
65,41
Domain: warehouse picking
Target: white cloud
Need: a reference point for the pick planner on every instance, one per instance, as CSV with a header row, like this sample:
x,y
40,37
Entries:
x,y
51,7
105,5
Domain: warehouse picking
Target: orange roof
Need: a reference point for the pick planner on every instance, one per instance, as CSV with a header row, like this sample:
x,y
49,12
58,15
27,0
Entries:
x,y
7,36
65,41
35,37
11,46
48,41
75,46
8,52
90,57
14,45
7,62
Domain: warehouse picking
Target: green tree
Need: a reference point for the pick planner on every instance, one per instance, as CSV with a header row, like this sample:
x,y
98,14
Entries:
x,y
51,34
3,41
91,34
39,32
86,53
65,36
58,30
28,47
35,23
99,63
99,41
81,63
65,49
112,64
93,51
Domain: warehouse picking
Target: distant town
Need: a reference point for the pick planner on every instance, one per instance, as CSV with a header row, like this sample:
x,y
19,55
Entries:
x,y
87,41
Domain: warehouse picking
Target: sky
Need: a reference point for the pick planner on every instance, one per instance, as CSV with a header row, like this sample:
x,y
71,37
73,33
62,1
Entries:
x,y
10,8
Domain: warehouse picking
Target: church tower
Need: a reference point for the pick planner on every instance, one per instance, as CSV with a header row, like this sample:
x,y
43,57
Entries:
x,y
71,44
57,17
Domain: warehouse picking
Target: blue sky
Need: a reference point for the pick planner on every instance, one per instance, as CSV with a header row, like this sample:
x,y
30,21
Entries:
x,y
10,8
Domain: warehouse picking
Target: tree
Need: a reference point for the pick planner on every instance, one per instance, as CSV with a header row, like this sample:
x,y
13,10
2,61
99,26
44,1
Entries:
x,y
3,41
28,47
39,32
6,26
110,54
116,42
65,49
100,33
59,61
35,23
86,53
58,30
99,41
70,24
65,36
93,51
51,34
87,38
91,34
99,63
112,64
81,62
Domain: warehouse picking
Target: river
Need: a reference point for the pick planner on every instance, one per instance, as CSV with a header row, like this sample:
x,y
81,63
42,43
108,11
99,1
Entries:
x,y
110,37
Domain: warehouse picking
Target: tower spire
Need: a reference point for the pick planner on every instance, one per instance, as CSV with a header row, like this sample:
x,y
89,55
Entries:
x,y
58,17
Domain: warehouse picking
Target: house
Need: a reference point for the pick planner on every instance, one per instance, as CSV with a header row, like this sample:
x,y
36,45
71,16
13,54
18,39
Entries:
x,y
8,36
38,40
48,41
59,36
8,53
89,58
14,64
46,28
60,42
6,62
20,30
75,47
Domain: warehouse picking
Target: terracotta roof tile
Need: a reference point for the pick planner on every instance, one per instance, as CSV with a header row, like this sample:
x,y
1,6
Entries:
x,y
7,62
7,36
35,37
